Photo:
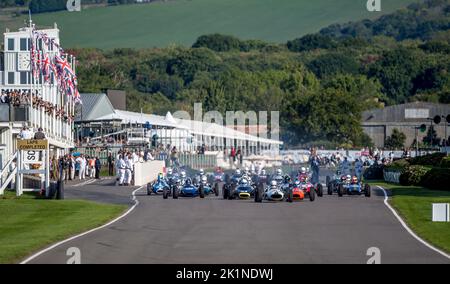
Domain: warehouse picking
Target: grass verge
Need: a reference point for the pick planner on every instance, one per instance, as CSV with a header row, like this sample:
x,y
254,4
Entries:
x,y
29,224
414,204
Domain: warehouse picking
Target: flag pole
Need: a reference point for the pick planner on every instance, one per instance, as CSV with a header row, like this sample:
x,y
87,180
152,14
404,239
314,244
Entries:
x,y
31,64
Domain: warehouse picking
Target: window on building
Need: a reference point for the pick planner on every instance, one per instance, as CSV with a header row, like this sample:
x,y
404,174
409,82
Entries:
x,y
11,80
23,44
2,64
50,46
11,44
24,78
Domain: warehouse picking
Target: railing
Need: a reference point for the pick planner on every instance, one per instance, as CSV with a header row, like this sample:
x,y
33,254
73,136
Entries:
x,y
195,161
6,176
392,176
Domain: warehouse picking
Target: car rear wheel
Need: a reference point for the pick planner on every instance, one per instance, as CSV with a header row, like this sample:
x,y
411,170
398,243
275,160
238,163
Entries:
x,y
330,189
328,181
149,189
367,190
225,192
312,195
320,190
259,193
216,189
176,192
165,193
341,190
202,191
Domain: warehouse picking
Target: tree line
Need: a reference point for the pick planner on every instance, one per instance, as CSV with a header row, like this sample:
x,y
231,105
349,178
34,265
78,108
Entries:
x,y
320,83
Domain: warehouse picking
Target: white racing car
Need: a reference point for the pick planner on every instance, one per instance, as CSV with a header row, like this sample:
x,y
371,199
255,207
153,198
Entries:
x,y
273,192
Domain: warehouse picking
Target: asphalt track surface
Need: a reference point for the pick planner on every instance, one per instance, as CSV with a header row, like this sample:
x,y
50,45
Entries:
x,y
216,231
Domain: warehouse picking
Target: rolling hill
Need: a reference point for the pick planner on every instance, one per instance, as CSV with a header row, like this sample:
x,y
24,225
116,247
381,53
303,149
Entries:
x,y
182,21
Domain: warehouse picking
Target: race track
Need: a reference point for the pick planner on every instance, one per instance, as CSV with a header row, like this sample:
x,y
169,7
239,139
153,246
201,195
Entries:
x,y
216,231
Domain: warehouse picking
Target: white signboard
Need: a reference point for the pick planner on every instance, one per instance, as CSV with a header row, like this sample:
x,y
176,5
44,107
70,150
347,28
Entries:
x,y
441,212
31,157
417,113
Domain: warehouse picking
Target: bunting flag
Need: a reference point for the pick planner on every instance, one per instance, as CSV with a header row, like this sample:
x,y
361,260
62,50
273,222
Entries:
x,y
49,65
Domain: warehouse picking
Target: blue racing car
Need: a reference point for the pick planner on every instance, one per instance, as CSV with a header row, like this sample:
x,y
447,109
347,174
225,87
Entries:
x,y
352,186
159,186
191,189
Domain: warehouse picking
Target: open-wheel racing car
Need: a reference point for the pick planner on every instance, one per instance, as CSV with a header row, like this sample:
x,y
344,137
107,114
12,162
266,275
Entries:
x,y
302,190
273,192
159,186
353,186
242,189
333,182
190,188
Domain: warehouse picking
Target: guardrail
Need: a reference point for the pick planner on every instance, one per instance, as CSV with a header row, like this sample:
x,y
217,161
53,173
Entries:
x,y
392,176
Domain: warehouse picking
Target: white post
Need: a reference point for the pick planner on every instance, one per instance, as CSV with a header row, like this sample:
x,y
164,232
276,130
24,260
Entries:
x,y
19,175
47,170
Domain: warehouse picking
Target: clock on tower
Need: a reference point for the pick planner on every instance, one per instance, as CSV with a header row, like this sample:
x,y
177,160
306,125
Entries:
x,y
24,62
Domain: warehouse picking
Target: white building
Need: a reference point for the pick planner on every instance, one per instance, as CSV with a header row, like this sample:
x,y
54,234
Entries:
x,y
16,75
186,135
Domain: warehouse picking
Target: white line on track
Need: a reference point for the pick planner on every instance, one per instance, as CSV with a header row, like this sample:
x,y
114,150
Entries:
x,y
85,183
136,203
386,199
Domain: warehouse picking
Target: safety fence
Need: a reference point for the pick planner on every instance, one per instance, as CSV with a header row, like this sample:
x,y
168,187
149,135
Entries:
x,y
392,176
194,161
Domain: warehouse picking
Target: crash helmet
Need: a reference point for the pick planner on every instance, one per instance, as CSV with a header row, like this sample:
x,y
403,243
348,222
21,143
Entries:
x,y
274,183
263,172
355,180
169,171
297,183
244,181
349,177
183,174
287,179
160,176
247,169
204,179
188,181
343,178
279,172
303,170
202,171
303,178
308,170
238,172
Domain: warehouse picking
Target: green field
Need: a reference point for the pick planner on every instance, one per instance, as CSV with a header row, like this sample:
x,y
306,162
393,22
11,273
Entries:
x,y
28,224
182,21
414,204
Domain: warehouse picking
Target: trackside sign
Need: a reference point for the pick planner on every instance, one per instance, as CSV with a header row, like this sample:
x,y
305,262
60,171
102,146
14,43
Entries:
x,y
27,145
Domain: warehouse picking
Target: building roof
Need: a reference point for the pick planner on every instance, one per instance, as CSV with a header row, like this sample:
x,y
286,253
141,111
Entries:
x,y
97,107
406,113
94,106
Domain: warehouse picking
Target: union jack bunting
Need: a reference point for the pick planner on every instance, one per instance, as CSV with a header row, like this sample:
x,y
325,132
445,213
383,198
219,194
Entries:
x,y
51,59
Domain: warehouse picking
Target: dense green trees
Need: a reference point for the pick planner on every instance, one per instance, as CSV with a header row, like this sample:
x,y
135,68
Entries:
x,y
320,83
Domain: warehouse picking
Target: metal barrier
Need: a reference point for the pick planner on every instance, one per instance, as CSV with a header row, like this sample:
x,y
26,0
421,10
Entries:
x,y
195,161
392,176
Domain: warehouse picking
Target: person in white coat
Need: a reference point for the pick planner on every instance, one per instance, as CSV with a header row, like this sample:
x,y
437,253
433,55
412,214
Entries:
x,y
129,170
121,167
83,163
